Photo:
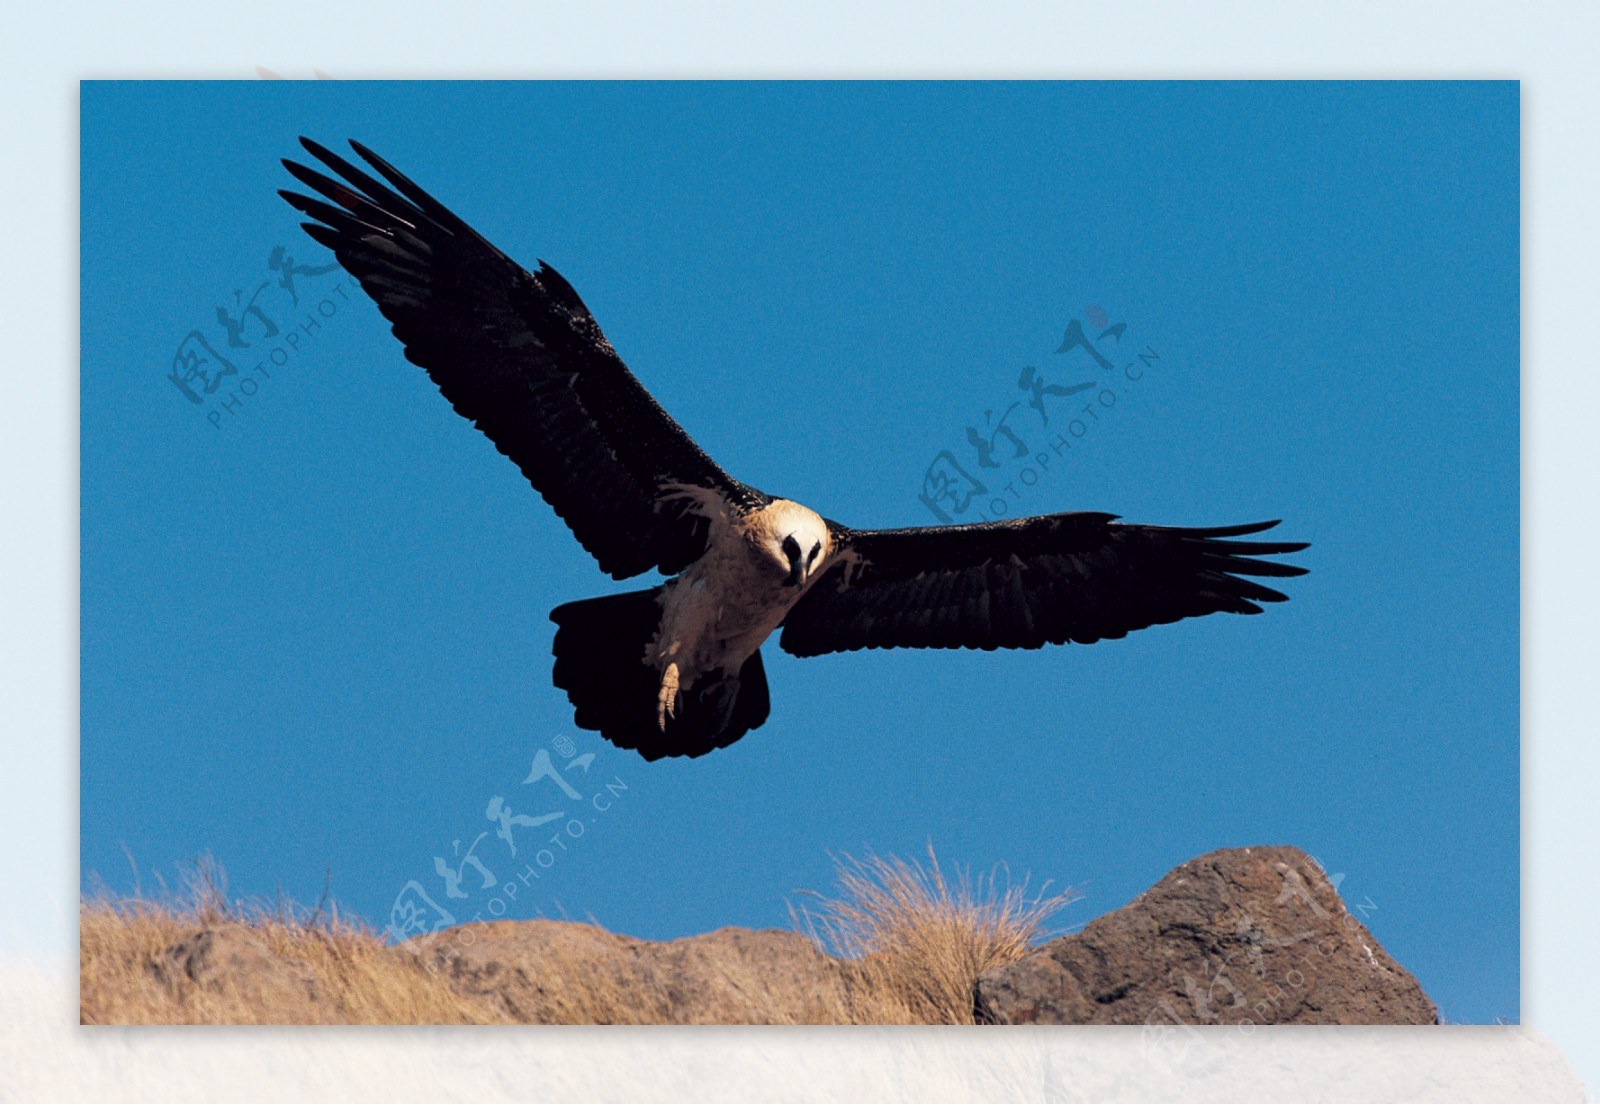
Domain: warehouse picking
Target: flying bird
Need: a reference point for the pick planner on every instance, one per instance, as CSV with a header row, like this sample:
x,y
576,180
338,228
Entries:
x,y
675,669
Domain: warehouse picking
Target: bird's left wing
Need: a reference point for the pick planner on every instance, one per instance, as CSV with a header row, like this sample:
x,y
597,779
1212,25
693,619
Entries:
x,y
1027,583
520,355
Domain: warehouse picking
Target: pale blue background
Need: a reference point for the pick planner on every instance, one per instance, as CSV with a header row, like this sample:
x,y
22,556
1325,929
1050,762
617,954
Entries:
x,y
317,638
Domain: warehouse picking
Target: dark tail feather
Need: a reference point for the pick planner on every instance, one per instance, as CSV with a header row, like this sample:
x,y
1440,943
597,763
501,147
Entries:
x,y
600,663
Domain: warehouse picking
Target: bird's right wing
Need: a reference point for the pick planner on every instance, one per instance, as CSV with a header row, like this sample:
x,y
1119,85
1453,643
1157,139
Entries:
x,y
520,355
1027,582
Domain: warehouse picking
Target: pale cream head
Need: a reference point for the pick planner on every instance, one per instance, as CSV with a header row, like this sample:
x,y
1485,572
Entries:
x,y
793,538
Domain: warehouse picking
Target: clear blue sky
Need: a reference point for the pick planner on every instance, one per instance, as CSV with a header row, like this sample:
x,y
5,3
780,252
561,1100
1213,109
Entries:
x,y
315,635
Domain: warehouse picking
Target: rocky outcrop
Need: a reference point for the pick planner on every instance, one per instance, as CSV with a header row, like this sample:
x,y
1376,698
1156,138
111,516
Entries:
x,y
234,960
1242,935
559,972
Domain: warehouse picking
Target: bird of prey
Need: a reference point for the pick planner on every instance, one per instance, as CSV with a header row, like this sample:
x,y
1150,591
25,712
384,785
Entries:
x,y
675,669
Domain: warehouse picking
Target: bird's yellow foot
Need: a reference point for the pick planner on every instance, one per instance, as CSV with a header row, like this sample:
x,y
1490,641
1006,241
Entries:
x,y
667,698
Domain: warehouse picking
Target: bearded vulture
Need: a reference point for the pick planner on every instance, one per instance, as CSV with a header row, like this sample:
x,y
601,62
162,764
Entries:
x,y
675,670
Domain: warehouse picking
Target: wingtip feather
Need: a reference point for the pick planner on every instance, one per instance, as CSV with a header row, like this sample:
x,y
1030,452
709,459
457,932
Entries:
x,y
316,149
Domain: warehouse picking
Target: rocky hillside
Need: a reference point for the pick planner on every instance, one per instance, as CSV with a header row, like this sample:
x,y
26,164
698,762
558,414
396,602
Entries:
x,y
1252,935
1244,935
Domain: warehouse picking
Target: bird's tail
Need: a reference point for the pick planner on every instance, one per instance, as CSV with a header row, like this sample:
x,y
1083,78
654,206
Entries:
x,y
600,662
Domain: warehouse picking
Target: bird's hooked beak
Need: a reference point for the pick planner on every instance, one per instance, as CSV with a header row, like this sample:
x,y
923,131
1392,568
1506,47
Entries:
x,y
797,563
796,576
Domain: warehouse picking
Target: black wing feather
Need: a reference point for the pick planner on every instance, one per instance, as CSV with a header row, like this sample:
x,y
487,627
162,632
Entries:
x,y
1026,583
520,355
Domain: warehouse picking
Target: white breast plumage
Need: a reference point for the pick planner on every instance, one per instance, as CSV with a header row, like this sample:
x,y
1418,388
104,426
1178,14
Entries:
x,y
717,613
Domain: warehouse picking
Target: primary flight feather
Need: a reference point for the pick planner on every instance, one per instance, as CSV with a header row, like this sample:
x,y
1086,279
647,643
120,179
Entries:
x,y
675,670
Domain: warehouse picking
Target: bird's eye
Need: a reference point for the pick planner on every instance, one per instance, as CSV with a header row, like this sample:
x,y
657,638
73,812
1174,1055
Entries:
x,y
815,549
791,548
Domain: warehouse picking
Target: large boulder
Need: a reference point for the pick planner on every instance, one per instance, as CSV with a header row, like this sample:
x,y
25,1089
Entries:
x,y
1237,936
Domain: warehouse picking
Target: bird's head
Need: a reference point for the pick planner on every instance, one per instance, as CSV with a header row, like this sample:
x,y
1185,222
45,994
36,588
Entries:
x,y
794,540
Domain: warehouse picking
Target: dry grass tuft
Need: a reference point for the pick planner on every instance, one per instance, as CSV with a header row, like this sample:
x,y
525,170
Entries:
x,y
299,966
922,940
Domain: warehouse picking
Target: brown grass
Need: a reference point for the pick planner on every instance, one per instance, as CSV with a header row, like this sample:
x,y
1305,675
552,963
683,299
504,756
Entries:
x,y
923,940
354,978
910,945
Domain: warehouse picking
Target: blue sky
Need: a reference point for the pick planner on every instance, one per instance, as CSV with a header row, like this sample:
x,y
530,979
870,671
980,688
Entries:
x,y
314,632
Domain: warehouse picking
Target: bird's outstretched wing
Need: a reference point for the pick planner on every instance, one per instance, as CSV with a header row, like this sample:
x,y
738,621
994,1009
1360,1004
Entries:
x,y
1027,583
519,354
